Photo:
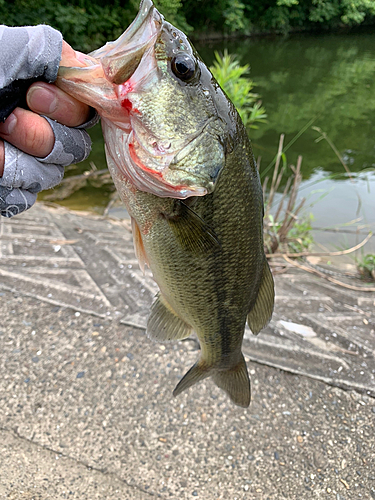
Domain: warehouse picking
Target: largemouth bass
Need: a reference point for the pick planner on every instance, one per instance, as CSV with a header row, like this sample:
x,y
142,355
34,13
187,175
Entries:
x,y
182,163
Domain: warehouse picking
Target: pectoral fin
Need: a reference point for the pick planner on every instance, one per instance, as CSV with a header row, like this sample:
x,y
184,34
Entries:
x,y
191,230
163,324
261,313
138,246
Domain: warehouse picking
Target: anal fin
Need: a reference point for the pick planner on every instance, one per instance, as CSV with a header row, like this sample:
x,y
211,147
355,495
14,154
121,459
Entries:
x,y
261,313
163,324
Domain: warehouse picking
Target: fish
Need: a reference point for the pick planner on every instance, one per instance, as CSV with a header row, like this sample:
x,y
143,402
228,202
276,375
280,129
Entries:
x,y
182,163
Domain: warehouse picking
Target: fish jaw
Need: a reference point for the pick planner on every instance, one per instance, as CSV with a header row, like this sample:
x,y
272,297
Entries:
x,y
90,86
121,58
107,71
159,161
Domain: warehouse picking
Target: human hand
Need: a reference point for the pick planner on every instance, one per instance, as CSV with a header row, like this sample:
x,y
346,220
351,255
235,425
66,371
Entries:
x,y
30,132
35,150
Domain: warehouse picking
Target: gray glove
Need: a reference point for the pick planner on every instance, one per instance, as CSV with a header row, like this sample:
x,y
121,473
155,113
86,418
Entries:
x,y
28,54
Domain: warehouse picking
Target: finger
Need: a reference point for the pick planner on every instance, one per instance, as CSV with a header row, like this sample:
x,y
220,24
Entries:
x,y
47,99
72,145
15,201
2,158
29,132
26,172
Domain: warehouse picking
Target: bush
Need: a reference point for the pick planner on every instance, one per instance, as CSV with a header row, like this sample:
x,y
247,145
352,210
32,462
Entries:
x,y
233,79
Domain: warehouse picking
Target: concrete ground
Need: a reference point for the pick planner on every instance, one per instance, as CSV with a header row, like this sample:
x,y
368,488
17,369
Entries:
x,y
87,410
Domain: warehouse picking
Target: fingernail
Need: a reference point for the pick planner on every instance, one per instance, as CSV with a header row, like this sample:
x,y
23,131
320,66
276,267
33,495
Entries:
x,y
7,127
41,100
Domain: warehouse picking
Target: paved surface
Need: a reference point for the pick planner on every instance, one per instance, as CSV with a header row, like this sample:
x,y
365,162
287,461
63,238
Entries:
x,y
86,406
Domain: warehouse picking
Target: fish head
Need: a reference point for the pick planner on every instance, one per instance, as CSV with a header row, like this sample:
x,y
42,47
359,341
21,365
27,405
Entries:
x,y
167,124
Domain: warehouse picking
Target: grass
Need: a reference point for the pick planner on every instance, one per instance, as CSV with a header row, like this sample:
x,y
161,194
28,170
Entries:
x,y
366,267
284,229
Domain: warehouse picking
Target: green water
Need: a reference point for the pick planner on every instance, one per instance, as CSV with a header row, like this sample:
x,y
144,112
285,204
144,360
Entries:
x,y
326,81
326,78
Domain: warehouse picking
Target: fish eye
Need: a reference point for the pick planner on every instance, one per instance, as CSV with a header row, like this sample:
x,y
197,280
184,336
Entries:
x,y
183,66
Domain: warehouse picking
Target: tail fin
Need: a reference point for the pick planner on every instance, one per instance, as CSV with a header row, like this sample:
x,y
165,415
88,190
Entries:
x,y
197,372
235,381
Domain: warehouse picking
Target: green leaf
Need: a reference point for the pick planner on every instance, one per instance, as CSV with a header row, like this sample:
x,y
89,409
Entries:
x,y
287,3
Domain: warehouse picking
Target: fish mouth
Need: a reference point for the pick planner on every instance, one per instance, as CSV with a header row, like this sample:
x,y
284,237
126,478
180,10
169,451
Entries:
x,y
120,59
112,65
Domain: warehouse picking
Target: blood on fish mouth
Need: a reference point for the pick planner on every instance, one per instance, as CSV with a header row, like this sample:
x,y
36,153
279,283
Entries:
x,y
126,104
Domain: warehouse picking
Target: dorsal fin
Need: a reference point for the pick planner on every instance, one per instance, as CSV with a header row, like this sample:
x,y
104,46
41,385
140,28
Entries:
x,y
261,313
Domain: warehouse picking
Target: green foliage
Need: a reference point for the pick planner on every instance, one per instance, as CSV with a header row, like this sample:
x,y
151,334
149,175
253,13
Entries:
x,y
168,7
355,11
225,16
347,11
173,12
287,3
324,11
232,77
299,237
366,266
234,18
86,24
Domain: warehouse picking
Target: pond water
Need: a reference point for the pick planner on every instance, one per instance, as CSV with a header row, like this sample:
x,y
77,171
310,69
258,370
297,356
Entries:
x,y
326,81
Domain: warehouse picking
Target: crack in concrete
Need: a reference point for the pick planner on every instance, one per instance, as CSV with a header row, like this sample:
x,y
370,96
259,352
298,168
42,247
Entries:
x,y
53,302
338,383
16,434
